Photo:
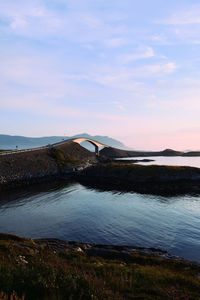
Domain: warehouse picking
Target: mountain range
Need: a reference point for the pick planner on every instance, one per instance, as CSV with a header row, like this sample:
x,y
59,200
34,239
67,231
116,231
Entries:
x,y
22,142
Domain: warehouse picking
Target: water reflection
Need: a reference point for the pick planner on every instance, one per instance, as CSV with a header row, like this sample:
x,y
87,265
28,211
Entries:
x,y
148,189
168,160
29,191
76,212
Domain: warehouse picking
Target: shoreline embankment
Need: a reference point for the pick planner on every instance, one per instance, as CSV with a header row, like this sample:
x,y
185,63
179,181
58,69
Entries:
x,y
152,179
71,161
45,165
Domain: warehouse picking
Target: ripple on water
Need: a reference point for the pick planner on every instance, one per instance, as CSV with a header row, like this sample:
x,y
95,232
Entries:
x,y
74,212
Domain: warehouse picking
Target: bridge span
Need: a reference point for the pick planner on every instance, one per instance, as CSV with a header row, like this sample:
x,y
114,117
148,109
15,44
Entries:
x,y
78,140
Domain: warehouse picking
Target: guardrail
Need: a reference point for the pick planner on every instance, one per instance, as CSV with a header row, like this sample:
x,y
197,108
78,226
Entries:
x,y
34,149
22,151
45,147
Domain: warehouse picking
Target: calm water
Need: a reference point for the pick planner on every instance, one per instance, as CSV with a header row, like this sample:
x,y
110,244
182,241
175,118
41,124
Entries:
x,y
171,161
75,212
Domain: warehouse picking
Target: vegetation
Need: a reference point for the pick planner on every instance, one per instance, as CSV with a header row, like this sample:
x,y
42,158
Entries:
x,y
62,159
154,169
117,153
152,179
32,270
145,173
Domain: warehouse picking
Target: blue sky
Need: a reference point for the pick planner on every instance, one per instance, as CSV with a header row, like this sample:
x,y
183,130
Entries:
x,y
127,69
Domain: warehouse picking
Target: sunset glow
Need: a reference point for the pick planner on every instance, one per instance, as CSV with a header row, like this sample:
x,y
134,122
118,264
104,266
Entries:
x,y
125,69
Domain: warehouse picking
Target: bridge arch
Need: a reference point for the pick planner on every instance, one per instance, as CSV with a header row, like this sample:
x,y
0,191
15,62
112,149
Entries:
x,y
96,144
79,140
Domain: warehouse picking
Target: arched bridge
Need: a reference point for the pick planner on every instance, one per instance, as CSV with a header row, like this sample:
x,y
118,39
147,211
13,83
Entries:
x,y
79,140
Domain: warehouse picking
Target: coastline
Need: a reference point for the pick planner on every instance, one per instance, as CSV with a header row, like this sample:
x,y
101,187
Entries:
x,y
111,175
72,161
53,269
110,178
152,179
82,261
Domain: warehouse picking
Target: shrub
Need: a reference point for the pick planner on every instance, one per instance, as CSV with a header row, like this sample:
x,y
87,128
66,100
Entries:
x,y
63,160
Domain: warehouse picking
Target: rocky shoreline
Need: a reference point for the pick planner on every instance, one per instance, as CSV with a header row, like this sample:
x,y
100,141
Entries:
x,y
158,180
123,253
119,153
45,165
71,161
55,269
153,179
132,161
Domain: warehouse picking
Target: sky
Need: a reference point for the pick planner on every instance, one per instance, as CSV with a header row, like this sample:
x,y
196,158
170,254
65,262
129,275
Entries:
x,y
127,69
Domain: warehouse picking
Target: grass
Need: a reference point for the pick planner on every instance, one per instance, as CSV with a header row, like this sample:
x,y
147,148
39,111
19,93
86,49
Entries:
x,y
151,179
151,170
62,159
32,271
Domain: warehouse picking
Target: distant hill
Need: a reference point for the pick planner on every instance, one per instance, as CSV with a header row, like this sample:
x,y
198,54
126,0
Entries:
x,y
10,141
121,153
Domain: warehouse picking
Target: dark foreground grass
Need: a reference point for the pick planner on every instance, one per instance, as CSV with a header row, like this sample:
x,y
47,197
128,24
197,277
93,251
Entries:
x,y
29,270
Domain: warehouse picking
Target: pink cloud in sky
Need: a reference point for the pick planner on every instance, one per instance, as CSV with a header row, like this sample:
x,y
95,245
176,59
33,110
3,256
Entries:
x,y
179,141
102,67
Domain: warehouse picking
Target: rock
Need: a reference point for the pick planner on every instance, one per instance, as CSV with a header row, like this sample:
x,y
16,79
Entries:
x,y
78,249
21,260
